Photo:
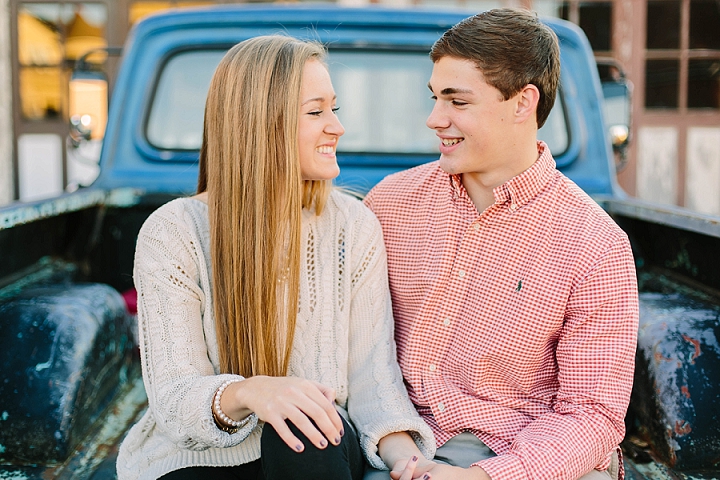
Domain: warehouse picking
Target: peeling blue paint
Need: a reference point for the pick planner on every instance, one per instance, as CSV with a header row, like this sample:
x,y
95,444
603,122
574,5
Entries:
x,y
13,476
678,342
29,212
23,213
124,197
45,269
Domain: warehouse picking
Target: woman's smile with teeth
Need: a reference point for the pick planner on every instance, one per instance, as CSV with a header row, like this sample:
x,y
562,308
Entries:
x,y
325,149
451,141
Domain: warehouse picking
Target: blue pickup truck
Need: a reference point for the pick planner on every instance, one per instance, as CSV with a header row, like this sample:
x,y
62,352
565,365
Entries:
x,y
70,383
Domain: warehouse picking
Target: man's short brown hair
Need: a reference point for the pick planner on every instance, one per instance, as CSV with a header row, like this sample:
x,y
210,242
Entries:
x,y
512,48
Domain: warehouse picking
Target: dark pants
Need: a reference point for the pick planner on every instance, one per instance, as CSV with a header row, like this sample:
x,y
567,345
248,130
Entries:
x,y
280,462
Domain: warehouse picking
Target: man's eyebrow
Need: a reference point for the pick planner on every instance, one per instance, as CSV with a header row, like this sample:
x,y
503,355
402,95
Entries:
x,y
316,99
453,91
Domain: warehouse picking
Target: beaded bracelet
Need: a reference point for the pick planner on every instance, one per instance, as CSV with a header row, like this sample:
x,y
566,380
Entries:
x,y
224,423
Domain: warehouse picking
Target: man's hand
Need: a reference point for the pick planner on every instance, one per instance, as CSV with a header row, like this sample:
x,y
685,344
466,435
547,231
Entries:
x,y
447,472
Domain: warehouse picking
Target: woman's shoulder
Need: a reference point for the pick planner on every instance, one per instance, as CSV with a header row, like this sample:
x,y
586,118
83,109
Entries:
x,y
180,213
352,217
348,203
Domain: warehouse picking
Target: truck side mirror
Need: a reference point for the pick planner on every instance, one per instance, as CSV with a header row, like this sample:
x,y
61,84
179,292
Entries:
x,y
88,98
88,107
617,92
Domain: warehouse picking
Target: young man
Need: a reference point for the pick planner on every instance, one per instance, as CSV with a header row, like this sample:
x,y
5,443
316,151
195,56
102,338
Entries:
x,y
514,294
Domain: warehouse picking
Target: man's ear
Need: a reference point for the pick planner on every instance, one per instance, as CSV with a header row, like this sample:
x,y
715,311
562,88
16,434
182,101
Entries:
x,y
527,101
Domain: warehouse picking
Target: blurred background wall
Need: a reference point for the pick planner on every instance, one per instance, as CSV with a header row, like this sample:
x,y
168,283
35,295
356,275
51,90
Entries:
x,y
6,130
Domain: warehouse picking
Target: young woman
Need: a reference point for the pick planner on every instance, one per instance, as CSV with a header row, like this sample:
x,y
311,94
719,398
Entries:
x,y
263,306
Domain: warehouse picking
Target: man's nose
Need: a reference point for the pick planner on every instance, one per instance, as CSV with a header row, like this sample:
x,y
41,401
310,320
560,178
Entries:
x,y
437,119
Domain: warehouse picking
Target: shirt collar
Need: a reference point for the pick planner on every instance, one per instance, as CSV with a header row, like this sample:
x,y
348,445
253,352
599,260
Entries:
x,y
522,188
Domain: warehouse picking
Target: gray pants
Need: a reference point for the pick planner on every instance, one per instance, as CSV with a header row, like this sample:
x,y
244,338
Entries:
x,y
465,449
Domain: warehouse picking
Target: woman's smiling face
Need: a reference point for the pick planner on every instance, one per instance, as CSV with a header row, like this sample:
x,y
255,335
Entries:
x,y
318,126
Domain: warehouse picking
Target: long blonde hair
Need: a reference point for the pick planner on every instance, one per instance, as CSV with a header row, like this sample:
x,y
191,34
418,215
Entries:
x,y
250,167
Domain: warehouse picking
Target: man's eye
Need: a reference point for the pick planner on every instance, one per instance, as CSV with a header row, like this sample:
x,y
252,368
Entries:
x,y
433,97
459,103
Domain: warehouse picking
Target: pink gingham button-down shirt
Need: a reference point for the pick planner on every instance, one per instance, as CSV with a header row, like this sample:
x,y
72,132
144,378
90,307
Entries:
x,y
518,324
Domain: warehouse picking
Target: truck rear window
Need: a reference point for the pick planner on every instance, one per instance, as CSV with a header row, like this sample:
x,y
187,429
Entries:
x,y
383,99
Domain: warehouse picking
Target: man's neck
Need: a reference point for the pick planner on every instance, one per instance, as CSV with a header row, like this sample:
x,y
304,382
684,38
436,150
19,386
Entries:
x,y
480,185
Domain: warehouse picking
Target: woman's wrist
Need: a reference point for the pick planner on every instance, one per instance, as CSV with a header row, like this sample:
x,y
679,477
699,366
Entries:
x,y
226,409
397,446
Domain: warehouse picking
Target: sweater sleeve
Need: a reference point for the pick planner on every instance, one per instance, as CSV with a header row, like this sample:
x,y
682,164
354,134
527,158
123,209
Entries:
x,y
179,378
378,402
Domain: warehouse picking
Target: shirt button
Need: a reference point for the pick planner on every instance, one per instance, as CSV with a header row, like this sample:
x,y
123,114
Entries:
x,y
513,207
433,367
441,407
476,226
461,273
446,322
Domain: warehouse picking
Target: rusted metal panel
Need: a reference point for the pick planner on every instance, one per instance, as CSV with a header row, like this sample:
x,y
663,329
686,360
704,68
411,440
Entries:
x,y
94,458
65,351
676,392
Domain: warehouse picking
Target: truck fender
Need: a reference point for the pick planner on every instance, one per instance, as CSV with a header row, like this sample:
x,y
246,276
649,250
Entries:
x,y
676,392
65,351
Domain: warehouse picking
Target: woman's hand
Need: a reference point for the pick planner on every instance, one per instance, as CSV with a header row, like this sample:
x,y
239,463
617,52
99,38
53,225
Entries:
x,y
276,399
415,468
399,452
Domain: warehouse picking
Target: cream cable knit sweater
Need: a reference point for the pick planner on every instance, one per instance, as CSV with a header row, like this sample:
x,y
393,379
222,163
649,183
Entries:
x,y
344,339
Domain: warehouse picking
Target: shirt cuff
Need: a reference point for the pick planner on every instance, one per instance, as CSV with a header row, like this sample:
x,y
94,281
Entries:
x,y
503,466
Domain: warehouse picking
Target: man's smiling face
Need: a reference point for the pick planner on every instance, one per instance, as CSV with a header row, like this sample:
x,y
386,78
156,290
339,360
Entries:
x,y
470,117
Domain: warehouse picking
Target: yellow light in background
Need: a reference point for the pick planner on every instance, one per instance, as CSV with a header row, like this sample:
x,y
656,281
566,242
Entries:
x,y
139,10
89,101
82,37
41,92
38,43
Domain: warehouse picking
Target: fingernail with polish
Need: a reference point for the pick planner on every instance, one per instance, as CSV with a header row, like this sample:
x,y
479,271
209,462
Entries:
x,y
342,432
414,459
426,477
337,440
323,443
298,447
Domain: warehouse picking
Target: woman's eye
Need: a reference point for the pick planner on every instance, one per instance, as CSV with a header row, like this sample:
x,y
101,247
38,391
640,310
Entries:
x,y
335,109
317,113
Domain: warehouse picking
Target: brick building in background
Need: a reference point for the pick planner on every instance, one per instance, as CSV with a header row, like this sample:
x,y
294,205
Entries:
x,y
668,49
